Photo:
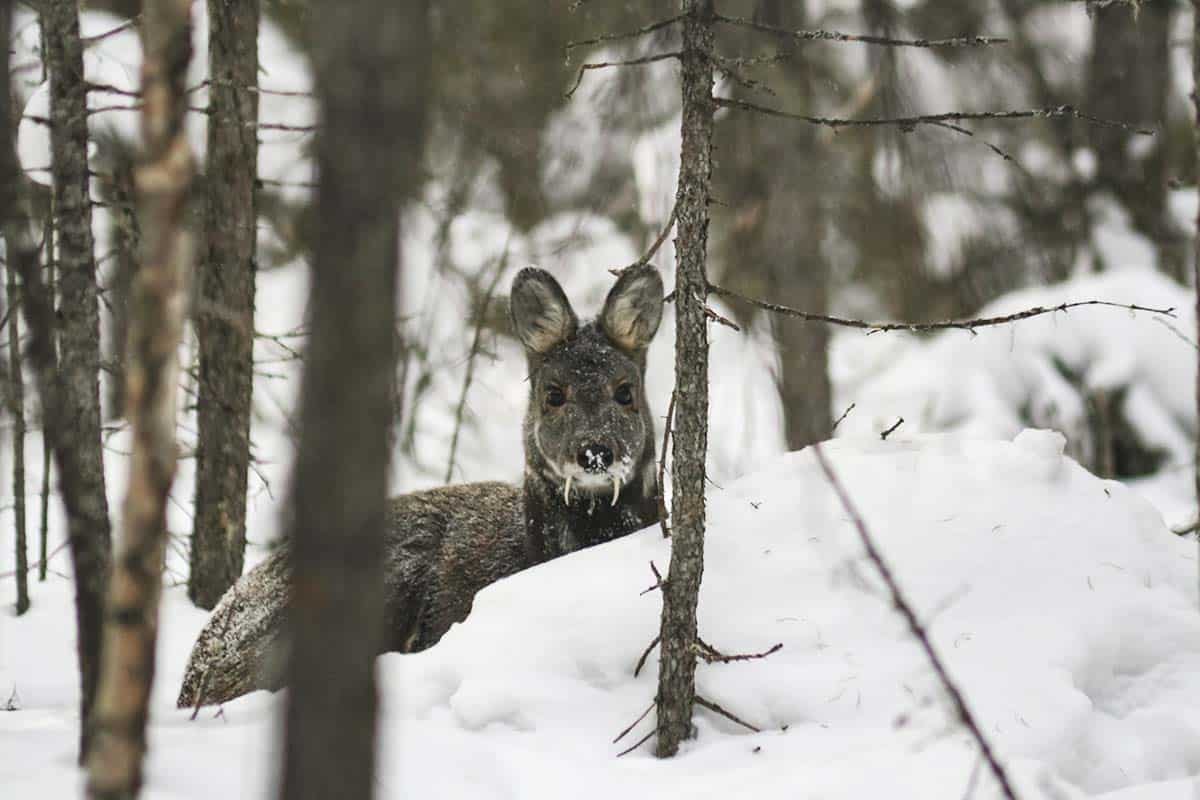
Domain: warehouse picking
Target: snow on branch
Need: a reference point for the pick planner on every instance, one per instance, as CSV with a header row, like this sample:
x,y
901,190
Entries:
x,y
919,327
917,629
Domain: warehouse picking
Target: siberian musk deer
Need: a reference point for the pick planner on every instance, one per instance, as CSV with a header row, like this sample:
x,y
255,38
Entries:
x,y
590,477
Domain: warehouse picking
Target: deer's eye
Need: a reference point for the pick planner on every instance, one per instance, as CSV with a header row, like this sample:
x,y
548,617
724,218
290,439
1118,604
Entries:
x,y
555,396
624,394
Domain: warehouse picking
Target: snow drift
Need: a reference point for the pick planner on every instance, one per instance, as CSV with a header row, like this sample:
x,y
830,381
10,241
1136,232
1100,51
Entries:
x,y
1061,603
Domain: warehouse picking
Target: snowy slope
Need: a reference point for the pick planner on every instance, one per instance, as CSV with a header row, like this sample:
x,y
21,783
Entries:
x,y
1060,601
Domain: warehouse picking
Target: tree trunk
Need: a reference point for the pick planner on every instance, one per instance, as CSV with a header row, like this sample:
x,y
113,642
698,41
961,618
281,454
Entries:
x,y
16,398
371,62
70,388
677,664
161,180
1129,80
1196,241
225,320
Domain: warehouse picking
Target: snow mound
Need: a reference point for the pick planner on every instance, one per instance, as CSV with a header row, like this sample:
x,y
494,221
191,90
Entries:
x,y
1062,605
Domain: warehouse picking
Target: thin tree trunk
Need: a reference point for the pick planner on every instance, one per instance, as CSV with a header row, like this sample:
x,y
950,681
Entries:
x,y
225,322
1196,242
16,399
371,62
677,665
69,387
161,180
47,449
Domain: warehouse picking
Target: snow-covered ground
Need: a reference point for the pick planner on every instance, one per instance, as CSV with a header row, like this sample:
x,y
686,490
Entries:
x,y
1062,604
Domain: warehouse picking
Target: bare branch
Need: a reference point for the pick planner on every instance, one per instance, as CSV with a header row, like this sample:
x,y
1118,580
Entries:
x,y
838,36
727,714
910,123
633,724
616,37
920,327
631,62
917,629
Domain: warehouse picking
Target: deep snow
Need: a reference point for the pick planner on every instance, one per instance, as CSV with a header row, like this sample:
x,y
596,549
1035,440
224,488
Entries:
x,y
1062,604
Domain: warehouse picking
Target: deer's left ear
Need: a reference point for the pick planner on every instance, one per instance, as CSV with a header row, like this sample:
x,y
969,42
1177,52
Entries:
x,y
633,309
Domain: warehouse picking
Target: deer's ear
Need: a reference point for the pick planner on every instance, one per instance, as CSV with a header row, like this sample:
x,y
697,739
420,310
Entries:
x,y
633,309
541,314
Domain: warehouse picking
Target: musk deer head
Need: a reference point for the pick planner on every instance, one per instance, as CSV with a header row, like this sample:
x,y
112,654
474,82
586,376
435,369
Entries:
x,y
588,429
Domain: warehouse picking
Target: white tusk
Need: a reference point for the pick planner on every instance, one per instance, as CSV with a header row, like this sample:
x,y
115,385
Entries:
x,y
567,490
616,488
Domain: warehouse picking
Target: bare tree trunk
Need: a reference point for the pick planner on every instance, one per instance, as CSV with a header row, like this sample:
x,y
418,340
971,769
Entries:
x,y
162,180
225,320
47,449
16,398
1196,243
677,665
1129,79
69,387
371,62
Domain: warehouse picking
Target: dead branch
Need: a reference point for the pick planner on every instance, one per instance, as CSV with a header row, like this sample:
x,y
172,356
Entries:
x,y
724,712
916,628
712,655
939,120
663,514
840,419
633,724
885,434
838,36
923,327
616,37
635,745
641,662
630,62
476,341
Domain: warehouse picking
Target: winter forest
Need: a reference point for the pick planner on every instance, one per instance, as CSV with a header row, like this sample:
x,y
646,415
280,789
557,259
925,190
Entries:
x,y
672,399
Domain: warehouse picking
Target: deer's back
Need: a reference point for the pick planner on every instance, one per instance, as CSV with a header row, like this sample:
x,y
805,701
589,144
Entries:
x,y
443,546
440,547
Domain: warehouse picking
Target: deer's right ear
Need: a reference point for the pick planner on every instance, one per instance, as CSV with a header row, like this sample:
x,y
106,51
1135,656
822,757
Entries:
x,y
541,314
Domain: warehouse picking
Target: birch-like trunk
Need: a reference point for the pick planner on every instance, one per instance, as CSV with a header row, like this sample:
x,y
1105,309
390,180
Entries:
x,y
371,63
225,319
677,665
156,315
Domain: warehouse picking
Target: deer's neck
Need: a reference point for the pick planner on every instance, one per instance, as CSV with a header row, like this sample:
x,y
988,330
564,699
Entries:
x,y
553,527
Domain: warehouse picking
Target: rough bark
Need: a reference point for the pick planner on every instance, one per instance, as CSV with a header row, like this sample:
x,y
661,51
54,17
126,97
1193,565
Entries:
x,y
371,62
162,180
16,391
225,322
68,385
677,665
16,399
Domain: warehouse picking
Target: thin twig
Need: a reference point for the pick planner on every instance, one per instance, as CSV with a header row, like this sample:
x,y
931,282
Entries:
x,y
631,62
838,36
711,655
469,377
616,37
715,317
885,434
636,744
916,628
845,414
909,123
919,327
658,243
663,514
727,714
633,724
641,662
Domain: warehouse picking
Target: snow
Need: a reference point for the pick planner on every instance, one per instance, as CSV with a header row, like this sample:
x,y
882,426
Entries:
x,y
1062,605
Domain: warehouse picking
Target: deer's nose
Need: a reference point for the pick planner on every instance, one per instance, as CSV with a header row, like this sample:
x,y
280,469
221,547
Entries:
x,y
595,457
